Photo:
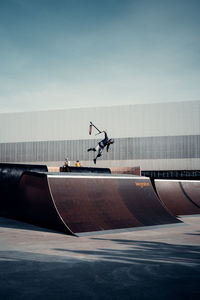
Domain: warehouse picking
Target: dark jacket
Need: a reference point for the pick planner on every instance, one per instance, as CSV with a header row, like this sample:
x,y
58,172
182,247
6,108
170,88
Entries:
x,y
104,142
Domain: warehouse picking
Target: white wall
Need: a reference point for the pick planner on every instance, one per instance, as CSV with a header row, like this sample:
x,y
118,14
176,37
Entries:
x,y
168,119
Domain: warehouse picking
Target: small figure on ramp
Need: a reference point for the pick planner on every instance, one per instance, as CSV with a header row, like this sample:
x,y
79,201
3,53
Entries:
x,y
106,142
64,168
66,162
77,163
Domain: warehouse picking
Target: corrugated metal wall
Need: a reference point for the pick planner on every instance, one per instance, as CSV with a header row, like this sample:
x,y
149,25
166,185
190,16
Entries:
x,y
179,147
169,131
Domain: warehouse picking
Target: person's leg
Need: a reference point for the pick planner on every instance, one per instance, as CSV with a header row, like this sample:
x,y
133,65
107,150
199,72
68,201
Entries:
x,y
94,149
100,150
91,149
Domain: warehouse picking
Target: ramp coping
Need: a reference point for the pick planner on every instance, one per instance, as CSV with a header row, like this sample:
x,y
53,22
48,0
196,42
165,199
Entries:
x,y
96,176
177,180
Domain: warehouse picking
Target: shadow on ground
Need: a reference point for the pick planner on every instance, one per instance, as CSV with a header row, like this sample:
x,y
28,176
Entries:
x,y
15,224
130,270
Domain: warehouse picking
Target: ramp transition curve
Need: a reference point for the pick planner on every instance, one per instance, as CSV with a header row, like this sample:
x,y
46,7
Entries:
x,y
10,175
181,197
78,203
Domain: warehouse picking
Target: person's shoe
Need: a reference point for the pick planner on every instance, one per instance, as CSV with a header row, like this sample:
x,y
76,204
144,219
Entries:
x,y
94,161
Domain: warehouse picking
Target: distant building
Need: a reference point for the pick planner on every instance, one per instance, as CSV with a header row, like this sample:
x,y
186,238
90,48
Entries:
x,y
153,136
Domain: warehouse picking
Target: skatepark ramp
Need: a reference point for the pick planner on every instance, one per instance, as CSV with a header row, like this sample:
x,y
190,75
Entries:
x,y
70,169
80,200
10,175
79,203
181,197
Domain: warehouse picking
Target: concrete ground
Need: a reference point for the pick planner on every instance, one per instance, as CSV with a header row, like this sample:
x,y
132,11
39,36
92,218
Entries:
x,y
160,262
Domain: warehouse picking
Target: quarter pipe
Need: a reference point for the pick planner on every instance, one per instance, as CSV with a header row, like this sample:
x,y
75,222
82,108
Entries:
x,y
181,197
10,175
78,203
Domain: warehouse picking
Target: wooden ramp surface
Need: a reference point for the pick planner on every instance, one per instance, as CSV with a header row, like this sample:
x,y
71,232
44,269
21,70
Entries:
x,y
181,197
77,203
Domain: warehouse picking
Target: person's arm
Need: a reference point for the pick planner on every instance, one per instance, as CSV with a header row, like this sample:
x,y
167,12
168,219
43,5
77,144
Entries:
x,y
106,136
107,148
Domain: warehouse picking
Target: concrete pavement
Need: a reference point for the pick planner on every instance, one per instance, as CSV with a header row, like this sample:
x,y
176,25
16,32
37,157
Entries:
x,y
159,262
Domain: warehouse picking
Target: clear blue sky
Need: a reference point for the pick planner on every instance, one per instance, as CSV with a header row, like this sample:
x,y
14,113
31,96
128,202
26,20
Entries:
x,y
57,54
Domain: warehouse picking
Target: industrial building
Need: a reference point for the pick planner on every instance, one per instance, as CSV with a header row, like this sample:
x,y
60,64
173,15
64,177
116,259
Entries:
x,y
156,137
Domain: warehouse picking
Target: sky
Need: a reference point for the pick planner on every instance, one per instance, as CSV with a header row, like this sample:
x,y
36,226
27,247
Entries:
x,y
59,54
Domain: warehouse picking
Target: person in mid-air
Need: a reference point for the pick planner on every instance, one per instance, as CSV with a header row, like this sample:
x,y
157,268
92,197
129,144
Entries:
x,y
106,142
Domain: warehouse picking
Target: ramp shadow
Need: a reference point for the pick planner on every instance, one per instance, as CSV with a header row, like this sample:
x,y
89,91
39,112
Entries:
x,y
144,270
15,224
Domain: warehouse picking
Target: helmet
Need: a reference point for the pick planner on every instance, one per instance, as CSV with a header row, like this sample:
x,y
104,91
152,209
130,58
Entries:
x,y
111,141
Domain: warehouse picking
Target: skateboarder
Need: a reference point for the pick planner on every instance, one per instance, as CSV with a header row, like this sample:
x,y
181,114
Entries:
x,y
106,142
